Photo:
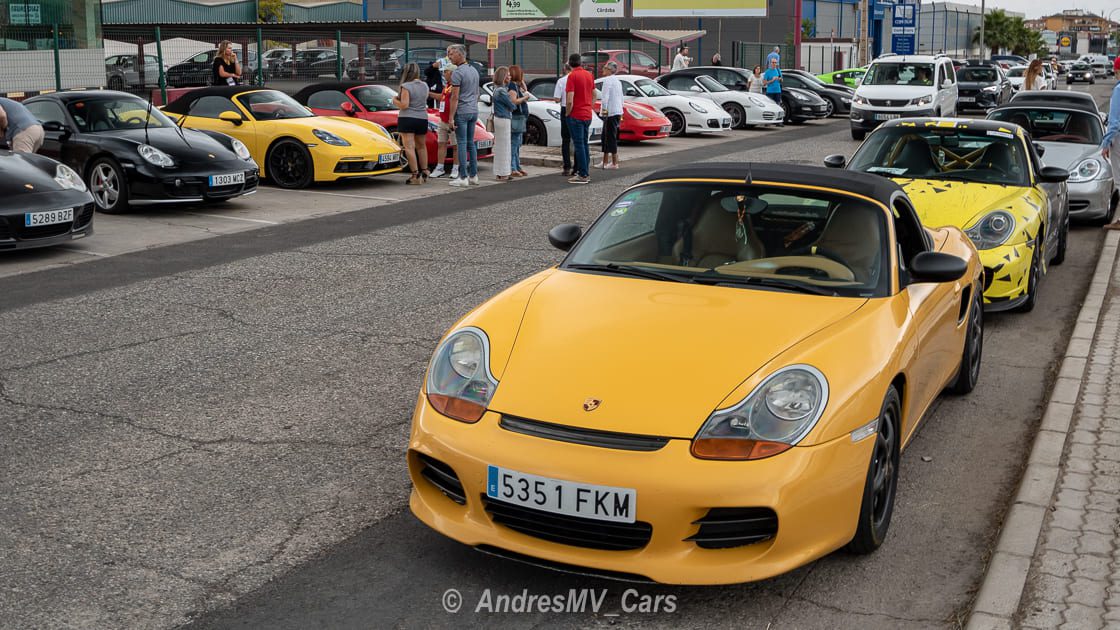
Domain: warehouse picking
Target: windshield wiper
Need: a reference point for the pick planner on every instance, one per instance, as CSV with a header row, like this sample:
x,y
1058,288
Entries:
x,y
631,270
773,283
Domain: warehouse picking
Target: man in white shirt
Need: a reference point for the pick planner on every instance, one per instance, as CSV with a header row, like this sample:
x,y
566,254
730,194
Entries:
x,y
681,61
610,110
565,133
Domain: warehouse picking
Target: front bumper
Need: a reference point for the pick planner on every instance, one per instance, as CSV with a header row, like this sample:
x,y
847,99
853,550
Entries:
x,y
365,166
867,118
815,492
1007,271
636,131
977,100
804,111
149,184
1090,200
15,235
711,122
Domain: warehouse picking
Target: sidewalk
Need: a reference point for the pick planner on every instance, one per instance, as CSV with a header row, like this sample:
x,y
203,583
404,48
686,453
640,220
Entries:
x,y
1057,561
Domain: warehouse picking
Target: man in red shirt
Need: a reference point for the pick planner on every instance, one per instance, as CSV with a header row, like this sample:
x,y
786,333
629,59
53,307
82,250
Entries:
x,y
578,95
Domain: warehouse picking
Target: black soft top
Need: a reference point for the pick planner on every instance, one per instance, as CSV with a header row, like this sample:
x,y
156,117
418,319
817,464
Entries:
x,y
866,184
338,86
1050,103
183,104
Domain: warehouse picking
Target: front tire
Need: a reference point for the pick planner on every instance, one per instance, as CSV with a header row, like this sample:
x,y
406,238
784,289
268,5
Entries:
x,y
969,371
738,115
1033,278
289,164
677,124
1063,242
830,109
882,479
535,132
107,184
116,83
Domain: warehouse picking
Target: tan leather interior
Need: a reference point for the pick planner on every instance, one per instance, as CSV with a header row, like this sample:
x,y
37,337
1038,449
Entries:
x,y
774,266
714,242
853,234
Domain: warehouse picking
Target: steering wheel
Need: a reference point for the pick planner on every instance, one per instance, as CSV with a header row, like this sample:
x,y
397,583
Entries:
x,y
787,265
138,120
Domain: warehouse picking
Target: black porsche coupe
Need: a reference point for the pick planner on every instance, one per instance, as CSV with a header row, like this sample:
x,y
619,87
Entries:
x,y
130,154
42,202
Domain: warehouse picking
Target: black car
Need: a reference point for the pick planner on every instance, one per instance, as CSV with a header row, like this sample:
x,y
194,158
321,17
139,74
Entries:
x,y
1080,73
129,153
981,85
194,71
42,202
800,105
838,97
308,64
377,64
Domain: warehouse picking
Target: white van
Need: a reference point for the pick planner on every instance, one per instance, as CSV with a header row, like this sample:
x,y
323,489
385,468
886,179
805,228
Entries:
x,y
1102,65
903,86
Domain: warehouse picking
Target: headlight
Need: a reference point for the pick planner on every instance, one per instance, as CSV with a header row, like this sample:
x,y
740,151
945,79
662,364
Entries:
x,y
329,138
68,178
1086,170
991,89
845,99
240,149
459,381
155,156
859,100
771,419
758,102
799,97
992,231
636,115
555,113
924,100
697,108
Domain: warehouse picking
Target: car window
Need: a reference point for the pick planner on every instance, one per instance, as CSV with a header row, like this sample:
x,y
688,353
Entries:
x,y
971,155
327,99
710,84
729,78
212,107
642,59
910,235
792,80
949,75
628,89
1052,125
978,74
111,61
272,105
46,111
737,232
680,83
107,114
201,58
543,89
898,73
649,88
375,98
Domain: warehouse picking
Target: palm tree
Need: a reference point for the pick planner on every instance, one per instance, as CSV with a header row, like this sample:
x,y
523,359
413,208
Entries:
x,y
998,31
1026,41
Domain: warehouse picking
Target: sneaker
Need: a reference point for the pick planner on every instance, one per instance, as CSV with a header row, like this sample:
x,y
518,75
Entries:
x,y
566,172
473,180
579,179
439,172
601,165
459,182
611,167
455,172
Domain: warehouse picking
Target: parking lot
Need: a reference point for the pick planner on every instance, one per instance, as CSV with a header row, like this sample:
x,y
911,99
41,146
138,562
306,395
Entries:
x,y
207,407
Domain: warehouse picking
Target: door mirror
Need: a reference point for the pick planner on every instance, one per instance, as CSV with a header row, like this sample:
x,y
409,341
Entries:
x,y
484,99
231,117
57,127
742,87
835,161
937,267
347,108
946,84
1039,149
565,235
1053,175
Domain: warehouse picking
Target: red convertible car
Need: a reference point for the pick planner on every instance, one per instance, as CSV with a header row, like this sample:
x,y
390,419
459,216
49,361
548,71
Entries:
x,y
640,122
375,103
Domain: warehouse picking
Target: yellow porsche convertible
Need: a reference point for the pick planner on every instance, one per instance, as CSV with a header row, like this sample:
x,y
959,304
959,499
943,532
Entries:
x,y
714,386
292,146
986,178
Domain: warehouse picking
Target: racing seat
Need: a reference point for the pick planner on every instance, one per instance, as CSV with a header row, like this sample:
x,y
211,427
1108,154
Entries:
x,y
714,242
852,235
1080,127
917,158
98,119
997,156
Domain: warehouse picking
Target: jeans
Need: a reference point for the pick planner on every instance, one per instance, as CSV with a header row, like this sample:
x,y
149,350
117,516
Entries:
x,y
468,150
776,97
579,130
565,139
515,150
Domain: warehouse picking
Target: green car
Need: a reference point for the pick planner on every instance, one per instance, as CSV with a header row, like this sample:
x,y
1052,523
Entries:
x,y
849,76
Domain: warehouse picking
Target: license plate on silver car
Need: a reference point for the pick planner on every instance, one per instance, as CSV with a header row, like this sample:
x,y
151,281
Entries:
x,y
603,503
886,116
50,217
968,99
227,179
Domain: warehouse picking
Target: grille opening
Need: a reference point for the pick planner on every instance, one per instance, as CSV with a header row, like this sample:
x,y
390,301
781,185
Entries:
x,y
443,478
724,528
569,530
587,437
1078,204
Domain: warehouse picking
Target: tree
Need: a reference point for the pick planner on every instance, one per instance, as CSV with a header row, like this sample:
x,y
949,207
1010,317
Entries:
x,y
1026,41
808,29
270,10
999,31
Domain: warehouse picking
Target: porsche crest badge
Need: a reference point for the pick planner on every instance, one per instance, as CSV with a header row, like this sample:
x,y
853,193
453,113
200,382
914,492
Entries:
x,y
591,404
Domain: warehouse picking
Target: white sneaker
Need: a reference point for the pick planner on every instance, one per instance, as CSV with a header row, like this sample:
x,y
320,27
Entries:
x,y
455,171
459,182
439,172
473,180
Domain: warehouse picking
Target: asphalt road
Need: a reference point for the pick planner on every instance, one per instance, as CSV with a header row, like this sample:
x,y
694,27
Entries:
x,y
215,431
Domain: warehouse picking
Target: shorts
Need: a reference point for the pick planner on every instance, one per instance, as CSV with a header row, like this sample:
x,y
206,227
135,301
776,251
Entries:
x,y
28,140
446,136
418,126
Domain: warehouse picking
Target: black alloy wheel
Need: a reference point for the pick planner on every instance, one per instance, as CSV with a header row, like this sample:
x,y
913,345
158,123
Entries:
x,y
737,113
1035,274
535,132
289,164
1063,240
882,479
677,123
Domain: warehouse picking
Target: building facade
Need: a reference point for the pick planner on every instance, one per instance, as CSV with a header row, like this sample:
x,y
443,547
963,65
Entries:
x,y
50,44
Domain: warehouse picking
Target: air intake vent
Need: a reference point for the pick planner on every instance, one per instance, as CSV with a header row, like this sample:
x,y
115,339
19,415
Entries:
x,y
569,530
443,478
723,528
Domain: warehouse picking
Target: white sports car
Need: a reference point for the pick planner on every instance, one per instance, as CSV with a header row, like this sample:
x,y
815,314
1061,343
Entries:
x,y
687,114
543,126
746,109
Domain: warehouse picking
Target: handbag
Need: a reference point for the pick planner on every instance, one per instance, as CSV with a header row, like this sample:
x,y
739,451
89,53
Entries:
x,y
517,123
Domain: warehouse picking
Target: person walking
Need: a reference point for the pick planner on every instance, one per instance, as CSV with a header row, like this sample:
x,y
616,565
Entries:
x,y
412,122
519,94
1110,145
19,127
445,135
503,114
681,61
559,94
578,93
1033,79
717,60
610,110
775,56
755,82
226,70
464,114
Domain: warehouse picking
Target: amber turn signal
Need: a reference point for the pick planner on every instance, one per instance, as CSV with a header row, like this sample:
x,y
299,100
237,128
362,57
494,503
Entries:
x,y
457,408
726,448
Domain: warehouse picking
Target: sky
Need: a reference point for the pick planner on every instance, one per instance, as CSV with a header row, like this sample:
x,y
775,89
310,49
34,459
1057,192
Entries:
x,y
1038,8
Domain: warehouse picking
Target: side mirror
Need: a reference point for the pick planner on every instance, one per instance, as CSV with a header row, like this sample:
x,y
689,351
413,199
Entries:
x,y
835,160
945,85
741,86
484,99
937,267
653,66
1039,149
694,88
565,235
56,126
347,108
231,117
1053,175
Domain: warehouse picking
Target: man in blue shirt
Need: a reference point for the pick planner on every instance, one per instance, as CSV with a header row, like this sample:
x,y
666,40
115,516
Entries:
x,y
772,79
19,128
775,56
1110,145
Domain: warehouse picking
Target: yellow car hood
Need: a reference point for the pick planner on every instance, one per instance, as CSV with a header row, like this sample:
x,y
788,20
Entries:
x,y
960,204
659,356
356,135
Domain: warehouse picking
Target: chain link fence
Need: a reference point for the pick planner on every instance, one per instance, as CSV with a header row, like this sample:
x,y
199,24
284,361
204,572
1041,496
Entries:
x,y
751,54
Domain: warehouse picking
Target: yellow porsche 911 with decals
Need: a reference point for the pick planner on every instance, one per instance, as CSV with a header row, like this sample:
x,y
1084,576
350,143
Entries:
x,y
292,146
714,386
986,178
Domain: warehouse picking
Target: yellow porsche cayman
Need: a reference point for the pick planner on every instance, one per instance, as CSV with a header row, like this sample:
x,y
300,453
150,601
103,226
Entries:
x,y
292,146
714,386
984,177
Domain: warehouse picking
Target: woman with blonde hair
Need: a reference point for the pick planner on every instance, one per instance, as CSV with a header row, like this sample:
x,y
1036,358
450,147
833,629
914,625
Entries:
x,y
519,94
1033,79
226,69
412,122
503,119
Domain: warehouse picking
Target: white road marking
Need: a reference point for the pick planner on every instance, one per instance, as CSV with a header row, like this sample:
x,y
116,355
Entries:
x,y
319,192
222,216
84,251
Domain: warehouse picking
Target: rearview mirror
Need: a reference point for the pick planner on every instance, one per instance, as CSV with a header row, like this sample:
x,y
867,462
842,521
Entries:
x,y
835,161
1053,175
230,117
937,267
565,235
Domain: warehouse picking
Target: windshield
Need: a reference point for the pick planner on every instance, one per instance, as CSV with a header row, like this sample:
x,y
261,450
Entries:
x,y
272,105
1052,125
983,156
1081,66
1017,71
977,75
811,78
711,84
899,74
375,98
742,236
94,115
649,88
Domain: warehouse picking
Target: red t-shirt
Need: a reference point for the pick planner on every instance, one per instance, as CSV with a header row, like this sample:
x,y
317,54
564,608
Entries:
x,y
444,105
581,85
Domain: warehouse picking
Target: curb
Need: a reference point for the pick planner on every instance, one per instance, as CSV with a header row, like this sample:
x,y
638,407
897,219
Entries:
x,y
1006,577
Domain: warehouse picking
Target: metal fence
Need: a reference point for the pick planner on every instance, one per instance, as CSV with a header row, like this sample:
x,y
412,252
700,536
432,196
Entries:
x,y
751,54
